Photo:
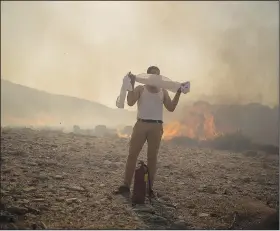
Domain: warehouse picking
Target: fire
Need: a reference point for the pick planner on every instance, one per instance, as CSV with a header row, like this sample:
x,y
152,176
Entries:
x,y
121,135
198,123
125,132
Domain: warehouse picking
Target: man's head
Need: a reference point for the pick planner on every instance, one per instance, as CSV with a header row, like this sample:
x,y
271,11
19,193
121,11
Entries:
x,y
153,70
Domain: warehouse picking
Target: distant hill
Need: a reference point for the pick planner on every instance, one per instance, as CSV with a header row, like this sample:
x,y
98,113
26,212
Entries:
x,y
20,103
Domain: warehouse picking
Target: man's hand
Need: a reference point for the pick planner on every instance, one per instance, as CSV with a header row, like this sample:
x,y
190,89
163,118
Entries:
x,y
180,90
185,86
132,78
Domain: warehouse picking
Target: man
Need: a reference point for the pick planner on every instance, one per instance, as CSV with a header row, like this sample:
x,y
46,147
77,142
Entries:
x,y
150,101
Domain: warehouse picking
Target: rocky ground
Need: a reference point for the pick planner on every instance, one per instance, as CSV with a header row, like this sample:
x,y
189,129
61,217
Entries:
x,y
56,180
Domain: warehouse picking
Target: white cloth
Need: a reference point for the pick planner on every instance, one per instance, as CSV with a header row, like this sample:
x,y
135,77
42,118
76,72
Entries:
x,y
153,80
126,86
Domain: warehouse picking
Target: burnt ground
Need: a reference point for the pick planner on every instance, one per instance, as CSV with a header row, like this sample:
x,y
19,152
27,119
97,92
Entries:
x,y
56,180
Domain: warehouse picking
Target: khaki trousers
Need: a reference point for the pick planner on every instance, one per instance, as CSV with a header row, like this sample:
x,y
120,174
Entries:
x,y
142,132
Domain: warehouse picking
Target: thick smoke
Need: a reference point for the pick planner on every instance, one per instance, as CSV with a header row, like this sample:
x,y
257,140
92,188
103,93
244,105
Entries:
x,y
229,50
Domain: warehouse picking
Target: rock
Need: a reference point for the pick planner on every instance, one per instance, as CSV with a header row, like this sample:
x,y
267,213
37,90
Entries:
x,y
119,164
207,189
8,170
203,215
168,166
58,177
213,214
29,189
159,195
16,174
24,201
179,225
76,188
33,183
32,163
109,197
226,192
145,209
102,185
107,162
42,177
42,224
39,200
191,206
17,210
165,198
60,199
159,220
103,199
3,192
44,207
201,189
72,200
245,179
32,210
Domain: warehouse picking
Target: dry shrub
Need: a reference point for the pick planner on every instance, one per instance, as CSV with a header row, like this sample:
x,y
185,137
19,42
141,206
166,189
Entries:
x,y
232,141
76,129
268,149
101,130
185,141
127,130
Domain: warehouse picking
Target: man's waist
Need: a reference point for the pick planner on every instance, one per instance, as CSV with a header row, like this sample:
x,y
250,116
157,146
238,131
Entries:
x,y
150,121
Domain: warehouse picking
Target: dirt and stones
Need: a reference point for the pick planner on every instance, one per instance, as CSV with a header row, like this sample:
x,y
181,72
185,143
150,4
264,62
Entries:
x,y
56,180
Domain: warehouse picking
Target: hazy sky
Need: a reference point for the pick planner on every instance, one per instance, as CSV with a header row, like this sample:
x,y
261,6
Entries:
x,y
229,50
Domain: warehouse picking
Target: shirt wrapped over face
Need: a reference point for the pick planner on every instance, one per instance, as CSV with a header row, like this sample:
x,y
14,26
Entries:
x,y
158,81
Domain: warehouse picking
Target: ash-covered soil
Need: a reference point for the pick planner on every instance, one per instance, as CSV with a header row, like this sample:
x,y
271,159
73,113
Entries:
x,y
56,180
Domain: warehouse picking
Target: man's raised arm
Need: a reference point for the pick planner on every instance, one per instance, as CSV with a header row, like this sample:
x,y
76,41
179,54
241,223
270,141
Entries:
x,y
134,95
169,104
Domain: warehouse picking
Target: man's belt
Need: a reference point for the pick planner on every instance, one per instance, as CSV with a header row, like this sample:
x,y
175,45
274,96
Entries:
x,y
151,121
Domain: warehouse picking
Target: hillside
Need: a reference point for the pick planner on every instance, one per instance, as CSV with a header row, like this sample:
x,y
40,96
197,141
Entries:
x,y
21,104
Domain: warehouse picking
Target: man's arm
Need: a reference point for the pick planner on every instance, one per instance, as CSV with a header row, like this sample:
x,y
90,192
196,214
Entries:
x,y
169,104
134,95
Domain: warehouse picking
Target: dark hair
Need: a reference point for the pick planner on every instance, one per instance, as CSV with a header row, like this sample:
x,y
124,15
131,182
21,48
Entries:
x,y
152,68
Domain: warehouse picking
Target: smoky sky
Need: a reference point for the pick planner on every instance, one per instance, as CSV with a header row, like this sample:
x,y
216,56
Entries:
x,y
228,50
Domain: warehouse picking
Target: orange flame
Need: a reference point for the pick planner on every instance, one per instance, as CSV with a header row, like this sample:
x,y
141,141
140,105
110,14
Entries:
x,y
120,135
198,123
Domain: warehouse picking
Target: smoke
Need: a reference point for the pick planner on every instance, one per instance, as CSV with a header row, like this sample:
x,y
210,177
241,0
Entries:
x,y
229,50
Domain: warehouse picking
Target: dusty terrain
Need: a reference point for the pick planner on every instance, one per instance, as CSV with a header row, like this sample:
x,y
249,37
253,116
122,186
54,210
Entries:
x,y
56,180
